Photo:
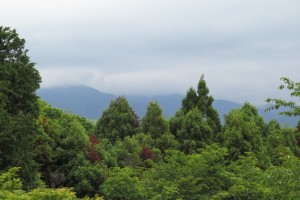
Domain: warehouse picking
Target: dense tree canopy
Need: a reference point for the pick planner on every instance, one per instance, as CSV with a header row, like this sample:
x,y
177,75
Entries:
x,y
46,153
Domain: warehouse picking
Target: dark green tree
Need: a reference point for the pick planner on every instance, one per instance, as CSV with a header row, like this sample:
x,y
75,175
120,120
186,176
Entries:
x,y
198,105
19,81
117,121
203,102
153,122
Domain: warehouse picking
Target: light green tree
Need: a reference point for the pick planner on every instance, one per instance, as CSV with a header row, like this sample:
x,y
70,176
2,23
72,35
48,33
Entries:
x,y
123,184
243,131
206,115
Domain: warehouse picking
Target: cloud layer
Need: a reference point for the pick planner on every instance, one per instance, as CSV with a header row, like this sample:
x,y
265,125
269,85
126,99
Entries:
x,y
156,47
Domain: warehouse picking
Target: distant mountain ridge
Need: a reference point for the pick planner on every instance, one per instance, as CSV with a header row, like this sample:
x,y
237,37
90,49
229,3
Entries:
x,y
90,103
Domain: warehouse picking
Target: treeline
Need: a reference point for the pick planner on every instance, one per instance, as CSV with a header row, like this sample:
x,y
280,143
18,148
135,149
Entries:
x,y
48,154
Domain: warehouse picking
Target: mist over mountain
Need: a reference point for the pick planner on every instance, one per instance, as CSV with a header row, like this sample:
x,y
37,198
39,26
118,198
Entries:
x,y
90,103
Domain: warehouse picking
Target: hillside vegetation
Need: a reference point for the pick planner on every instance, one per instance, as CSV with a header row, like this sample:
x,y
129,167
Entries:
x,y
46,153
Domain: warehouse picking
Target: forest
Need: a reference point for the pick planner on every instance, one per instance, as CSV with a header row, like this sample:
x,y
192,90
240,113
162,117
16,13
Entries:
x,y
46,153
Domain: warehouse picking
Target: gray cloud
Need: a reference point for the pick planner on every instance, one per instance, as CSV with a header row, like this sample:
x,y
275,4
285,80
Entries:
x,y
155,47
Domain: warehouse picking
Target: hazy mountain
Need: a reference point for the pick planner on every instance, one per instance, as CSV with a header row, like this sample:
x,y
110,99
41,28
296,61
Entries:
x,y
90,103
80,100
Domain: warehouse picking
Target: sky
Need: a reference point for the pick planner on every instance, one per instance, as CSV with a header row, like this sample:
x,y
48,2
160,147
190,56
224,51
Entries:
x,y
153,47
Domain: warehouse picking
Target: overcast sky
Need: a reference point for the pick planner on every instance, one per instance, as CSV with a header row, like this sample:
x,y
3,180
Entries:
x,y
151,47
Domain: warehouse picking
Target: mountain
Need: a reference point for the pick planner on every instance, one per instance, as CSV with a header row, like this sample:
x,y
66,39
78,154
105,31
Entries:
x,y
80,100
90,103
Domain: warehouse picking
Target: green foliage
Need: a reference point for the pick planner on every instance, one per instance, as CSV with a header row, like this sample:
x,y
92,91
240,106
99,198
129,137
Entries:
x,y
40,194
75,138
197,123
11,188
128,152
123,184
244,179
117,121
196,176
107,153
243,131
294,87
281,143
86,179
203,103
195,132
10,181
153,122
166,141
18,78
18,108
179,160
284,180
50,194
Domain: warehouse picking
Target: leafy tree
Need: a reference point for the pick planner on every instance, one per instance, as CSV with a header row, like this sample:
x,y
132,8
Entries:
x,y
243,131
11,188
19,108
117,121
245,180
75,139
277,182
123,184
281,142
197,176
107,153
86,179
294,87
166,141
